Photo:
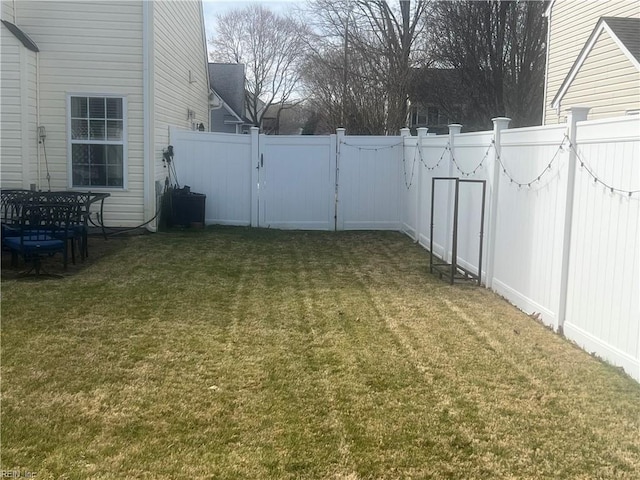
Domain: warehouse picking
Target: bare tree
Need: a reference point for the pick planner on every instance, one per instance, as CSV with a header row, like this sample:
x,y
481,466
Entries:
x,y
359,105
377,44
498,48
270,46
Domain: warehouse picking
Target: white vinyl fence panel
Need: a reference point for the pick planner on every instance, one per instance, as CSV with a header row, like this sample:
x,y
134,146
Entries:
x,y
297,182
471,156
603,304
433,161
218,165
369,183
530,218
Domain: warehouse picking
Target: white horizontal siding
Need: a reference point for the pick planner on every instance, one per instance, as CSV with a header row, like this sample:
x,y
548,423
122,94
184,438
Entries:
x,y
92,48
18,143
571,24
178,49
6,11
11,132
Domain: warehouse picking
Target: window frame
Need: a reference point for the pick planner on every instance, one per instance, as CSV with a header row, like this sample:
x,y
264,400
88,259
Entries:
x,y
123,142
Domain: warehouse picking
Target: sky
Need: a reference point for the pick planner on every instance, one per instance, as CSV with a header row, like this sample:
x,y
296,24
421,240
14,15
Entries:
x,y
214,7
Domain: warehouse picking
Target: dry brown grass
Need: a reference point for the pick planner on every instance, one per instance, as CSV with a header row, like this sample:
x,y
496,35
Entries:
x,y
236,353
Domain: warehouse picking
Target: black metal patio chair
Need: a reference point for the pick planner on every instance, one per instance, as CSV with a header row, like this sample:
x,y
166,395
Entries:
x,y
43,232
77,233
10,203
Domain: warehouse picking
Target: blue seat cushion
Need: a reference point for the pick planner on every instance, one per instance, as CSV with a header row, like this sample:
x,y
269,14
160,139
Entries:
x,y
34,243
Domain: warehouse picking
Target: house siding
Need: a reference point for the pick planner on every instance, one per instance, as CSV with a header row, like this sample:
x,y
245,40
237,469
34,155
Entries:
x,y
218,117
179,48
92,48
6,11
11,134
571,24
607,82
18,143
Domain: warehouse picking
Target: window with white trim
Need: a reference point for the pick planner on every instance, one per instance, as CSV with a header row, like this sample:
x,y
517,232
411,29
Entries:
x,y
97,131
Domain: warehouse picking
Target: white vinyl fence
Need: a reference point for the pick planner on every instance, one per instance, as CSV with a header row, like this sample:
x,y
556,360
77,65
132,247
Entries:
x,y
561,219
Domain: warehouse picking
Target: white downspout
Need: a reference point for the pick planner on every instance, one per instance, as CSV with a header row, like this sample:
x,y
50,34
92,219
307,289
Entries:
x,y
548,14
38,120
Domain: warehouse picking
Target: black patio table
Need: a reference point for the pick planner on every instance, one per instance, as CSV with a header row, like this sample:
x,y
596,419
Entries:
x,y
12,199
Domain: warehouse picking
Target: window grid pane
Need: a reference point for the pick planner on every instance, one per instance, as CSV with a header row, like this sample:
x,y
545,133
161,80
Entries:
x,y
78,107
114,108
79,129
97,164
97,107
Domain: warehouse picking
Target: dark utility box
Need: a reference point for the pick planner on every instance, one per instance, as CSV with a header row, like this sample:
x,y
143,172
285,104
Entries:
x,y
187,208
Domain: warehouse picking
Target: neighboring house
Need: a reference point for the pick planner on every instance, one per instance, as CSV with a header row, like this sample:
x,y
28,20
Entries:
x,y
436,99
289,119
227,81
89,89
592,58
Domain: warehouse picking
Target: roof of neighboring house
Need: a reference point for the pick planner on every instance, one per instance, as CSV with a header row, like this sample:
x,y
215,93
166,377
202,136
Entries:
x,y
227,79
20,35
625,32
430,85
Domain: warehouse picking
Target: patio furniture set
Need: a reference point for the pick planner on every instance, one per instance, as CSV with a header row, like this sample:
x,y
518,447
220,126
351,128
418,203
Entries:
x,y
36,225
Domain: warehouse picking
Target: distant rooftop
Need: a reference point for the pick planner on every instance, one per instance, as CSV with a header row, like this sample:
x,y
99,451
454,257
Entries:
x,y
227,79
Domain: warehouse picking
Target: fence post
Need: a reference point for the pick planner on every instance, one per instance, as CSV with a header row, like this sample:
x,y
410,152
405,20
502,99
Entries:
x,y
574,115
255,176
339,217
404,134
422,132
454,129
499,124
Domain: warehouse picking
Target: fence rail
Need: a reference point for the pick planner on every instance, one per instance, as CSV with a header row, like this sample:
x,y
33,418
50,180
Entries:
x,y
562,223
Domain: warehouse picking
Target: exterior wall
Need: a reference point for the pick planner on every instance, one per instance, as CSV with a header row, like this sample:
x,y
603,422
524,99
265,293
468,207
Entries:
x,y
180,77
218,117
18,142
6,11
92,48
570,24
607,82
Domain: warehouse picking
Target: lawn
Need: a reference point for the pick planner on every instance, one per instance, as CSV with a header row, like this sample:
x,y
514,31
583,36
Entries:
x,y
232,353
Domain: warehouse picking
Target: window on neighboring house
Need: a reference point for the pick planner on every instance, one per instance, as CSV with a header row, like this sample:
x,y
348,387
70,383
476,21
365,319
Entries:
x,y
428,116
433,113
418,117
97,131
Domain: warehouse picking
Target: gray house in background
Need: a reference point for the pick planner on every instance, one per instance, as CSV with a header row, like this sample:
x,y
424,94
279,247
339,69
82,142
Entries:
x,y
227,81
